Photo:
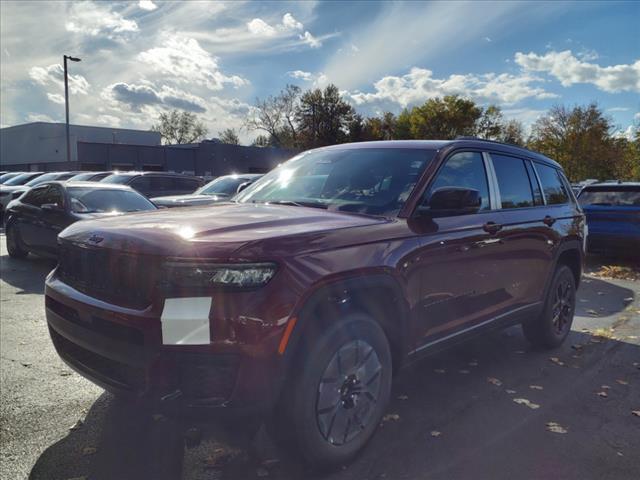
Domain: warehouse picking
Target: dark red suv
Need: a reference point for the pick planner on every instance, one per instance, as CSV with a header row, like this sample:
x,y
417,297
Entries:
x,y
303,296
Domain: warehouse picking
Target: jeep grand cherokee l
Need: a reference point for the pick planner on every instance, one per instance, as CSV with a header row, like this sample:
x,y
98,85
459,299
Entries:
x,y
303,296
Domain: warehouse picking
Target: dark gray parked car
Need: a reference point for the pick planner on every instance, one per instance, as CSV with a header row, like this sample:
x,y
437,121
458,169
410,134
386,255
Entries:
x,y
218,190
154,184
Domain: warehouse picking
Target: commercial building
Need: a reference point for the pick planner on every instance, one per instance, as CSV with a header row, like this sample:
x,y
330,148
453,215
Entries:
x,y
41,146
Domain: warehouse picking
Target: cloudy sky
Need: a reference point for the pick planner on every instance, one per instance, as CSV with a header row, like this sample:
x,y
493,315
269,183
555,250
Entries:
x,y
214,59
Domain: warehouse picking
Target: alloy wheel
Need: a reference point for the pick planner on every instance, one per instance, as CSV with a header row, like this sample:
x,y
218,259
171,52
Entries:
x,y
348,392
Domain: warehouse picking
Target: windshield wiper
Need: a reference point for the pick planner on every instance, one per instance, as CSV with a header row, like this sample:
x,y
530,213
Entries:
x,y
298,204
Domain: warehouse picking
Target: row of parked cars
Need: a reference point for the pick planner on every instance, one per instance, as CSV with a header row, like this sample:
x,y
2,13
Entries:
x,y
40,205
303,296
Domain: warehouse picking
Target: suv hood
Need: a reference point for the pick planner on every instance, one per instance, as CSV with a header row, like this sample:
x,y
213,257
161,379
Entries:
x,y
218,231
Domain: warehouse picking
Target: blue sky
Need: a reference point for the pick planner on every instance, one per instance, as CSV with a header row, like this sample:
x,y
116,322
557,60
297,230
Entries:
x,y
213,58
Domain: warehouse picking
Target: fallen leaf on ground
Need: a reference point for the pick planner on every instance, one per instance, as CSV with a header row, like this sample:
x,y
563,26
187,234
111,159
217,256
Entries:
x,y
591,311
520,352
391,416
556,360
622,382
89,450
577,346
536,387
66,373
463,371
605,387
435,433
524,401
620,454
617,271
602,394
495,381
439,370
510,392
262,472
635,412
25,364
473,363
157,417
601,293
83,477
77,426
403,397
555,428
628,299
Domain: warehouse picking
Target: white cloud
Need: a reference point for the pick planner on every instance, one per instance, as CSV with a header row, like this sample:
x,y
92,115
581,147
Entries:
x,y
291,23
257,26
637,116
570,70
54,75
310,40
98,19
39,117
618,109
301,75
629,133
183,60
147,5
55,98
419,85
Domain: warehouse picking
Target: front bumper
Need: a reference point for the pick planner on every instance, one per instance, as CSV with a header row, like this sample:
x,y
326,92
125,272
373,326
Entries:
x,y
121,350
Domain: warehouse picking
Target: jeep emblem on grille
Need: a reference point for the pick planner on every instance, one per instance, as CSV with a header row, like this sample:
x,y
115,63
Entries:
x,y
95,239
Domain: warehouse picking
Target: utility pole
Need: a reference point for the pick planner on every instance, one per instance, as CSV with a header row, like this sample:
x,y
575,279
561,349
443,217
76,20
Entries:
x,y
66,104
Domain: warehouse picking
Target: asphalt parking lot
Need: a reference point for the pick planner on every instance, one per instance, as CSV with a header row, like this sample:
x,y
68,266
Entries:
x,y
492,408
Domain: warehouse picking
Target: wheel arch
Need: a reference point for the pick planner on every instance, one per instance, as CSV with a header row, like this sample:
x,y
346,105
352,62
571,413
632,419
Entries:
x,y
379,295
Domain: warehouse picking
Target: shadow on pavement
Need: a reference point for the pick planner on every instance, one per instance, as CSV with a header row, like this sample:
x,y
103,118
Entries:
x,y
599,298
27,275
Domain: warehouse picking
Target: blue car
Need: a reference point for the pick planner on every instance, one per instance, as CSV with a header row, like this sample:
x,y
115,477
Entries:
x,y
613,217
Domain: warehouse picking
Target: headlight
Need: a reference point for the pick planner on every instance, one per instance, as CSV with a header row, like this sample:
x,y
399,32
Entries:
x,y
237,275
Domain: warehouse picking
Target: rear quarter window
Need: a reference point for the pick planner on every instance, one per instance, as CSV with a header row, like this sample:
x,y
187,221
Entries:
x,y
610,197
553,187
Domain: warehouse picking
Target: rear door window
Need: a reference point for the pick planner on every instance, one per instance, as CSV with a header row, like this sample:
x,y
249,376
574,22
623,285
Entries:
x,y
553,188
513,181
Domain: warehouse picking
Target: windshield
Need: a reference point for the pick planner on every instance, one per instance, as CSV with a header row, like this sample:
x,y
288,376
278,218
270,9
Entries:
x,y
225,186
374,181
7,176
611,197
117,178
81,177
20,179
94,200
48,177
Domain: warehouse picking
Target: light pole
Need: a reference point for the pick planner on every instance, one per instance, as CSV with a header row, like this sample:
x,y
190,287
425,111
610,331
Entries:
x,y
66,104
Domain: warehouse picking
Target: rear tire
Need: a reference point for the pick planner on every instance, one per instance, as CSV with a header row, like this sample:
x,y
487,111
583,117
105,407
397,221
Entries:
x,y
14,243
554,323
333,403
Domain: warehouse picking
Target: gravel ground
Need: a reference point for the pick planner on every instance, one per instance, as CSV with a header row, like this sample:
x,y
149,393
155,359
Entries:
x,y
461,414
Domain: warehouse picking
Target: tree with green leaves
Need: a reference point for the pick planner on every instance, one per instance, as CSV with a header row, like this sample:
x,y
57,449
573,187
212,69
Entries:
x,y
444,118
176,127
323,117
230,136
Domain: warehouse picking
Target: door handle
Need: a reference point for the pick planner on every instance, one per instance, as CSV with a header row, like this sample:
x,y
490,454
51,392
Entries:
x,y
549,221
492,227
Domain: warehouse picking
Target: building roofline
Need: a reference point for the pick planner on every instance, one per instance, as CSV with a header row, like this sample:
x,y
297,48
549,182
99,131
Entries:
x,y
80,126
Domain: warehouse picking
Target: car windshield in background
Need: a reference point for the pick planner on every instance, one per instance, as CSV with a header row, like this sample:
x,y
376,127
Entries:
x,y
373,181
19,180
225,186
47,177
611,197
98,200
83,177
7,176
117,178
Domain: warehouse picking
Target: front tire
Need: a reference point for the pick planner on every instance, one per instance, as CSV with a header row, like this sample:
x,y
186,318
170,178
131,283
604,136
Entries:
x,y
14,243
554,323
340,388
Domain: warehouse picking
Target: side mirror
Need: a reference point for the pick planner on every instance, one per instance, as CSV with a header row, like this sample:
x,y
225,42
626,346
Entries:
x,y
51,207
450,201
